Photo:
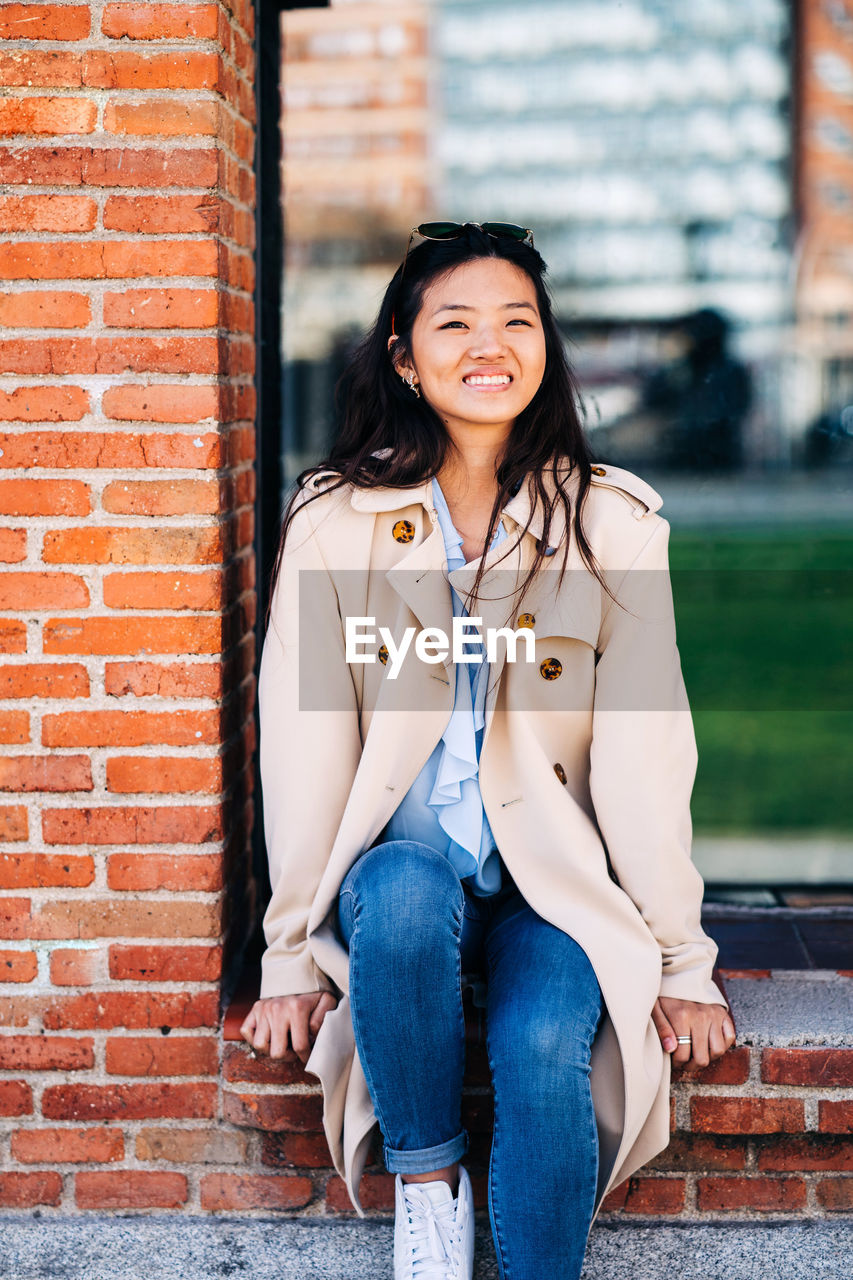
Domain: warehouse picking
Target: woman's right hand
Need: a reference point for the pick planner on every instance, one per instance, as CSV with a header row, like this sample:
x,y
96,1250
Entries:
x,y
271,1020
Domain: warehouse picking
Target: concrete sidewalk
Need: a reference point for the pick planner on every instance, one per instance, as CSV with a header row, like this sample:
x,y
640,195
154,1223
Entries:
x,y
142,1247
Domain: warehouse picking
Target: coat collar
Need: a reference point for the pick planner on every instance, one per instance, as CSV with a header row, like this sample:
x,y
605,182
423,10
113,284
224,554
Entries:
x,y
518,509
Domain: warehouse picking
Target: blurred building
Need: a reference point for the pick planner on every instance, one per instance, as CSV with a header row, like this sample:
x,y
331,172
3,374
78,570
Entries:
x,y
666,155
356,158
822,350
648,143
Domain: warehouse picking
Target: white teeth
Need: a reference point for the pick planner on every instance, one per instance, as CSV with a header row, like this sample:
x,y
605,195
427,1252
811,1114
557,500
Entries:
x,y
488,380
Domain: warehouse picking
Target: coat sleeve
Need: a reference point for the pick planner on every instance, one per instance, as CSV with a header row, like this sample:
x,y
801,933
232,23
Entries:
x,y
643,765
310,746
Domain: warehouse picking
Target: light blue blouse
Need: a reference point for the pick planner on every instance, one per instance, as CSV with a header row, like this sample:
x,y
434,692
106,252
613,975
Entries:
x,y
444,807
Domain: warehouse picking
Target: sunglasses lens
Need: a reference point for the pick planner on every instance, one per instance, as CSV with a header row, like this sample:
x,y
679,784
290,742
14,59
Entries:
x,y
439,230
506,229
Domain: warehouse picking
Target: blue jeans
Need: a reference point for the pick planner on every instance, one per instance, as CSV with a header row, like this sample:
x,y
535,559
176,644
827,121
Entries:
x,y
413,928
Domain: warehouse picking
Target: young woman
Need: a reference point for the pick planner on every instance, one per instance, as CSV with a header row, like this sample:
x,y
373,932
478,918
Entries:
x,y
515,819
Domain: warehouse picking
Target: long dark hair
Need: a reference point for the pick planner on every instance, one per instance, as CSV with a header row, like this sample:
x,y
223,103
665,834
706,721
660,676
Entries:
x,y
378,411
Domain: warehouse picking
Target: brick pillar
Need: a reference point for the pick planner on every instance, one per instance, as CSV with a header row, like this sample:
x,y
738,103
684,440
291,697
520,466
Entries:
x,y
126,490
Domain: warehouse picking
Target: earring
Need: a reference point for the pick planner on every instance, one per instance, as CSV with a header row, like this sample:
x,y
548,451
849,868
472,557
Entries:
x,y
410,382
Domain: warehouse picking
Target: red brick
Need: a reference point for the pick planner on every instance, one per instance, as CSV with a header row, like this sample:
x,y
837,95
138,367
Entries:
x,y
172,1056
131,635
164,403
45,1054
131,918
49,69
111,259
132,546
762,1194
43,212
296,1150
38,404
141,167
52,260
163,680
44,680
822,1068
198,591
275,1112
190,69
17,966
149,872
161,775
160,21
13,545
238,1065
813,1151
13,639
45,498
44,22
158,215
159,964
835,1194
648,1196
91,449
14,725
691,1152
105,1009
130,1189
192,1146
45,773
72,968
163,117
239,1191
164,824
67,1146
45,309
733,1068
46,870
16,1097
130,728
164,497
115,355
835,1117
43,591
14,917
14,823
747,1115
47,115
22,1190
128,1101
128,258
376,1192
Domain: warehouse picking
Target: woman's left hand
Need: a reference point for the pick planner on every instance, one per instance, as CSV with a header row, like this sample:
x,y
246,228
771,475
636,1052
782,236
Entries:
x,y
710,1025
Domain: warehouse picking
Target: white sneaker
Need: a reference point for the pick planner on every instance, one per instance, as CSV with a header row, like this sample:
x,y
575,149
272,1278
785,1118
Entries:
x,y
434,1230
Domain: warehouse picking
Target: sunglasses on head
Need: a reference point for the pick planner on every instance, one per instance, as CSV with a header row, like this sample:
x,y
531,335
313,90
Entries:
x,y
452,231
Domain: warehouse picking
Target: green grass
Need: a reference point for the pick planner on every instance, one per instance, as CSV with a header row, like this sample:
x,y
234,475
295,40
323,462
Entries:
x,y
765,632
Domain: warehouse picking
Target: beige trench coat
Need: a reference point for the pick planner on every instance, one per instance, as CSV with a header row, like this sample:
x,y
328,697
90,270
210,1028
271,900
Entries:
x,y
603,854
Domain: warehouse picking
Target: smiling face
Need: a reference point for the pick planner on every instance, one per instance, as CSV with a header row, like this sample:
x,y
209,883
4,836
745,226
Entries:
x,y
478,346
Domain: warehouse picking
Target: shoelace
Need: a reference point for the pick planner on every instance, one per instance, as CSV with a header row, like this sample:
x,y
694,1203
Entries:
x,y
433,1235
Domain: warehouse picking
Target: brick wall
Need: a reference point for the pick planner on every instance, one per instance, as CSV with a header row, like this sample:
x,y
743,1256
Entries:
x,y
763,1132
126,490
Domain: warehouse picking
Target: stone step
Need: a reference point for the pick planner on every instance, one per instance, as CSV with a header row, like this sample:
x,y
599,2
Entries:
x,y
143,1247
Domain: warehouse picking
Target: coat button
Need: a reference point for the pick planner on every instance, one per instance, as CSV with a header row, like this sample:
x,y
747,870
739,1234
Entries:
x,y
404,531
598,471
382,654
526,619
551,668
560,772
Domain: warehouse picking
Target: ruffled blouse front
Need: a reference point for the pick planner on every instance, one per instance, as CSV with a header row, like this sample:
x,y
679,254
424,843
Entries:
x,y
444,807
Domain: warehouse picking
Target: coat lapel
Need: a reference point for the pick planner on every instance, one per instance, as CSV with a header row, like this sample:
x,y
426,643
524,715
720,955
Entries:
x,y
421,581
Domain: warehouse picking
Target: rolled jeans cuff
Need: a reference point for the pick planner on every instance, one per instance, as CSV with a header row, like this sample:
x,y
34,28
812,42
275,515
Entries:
x,y
428,1159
